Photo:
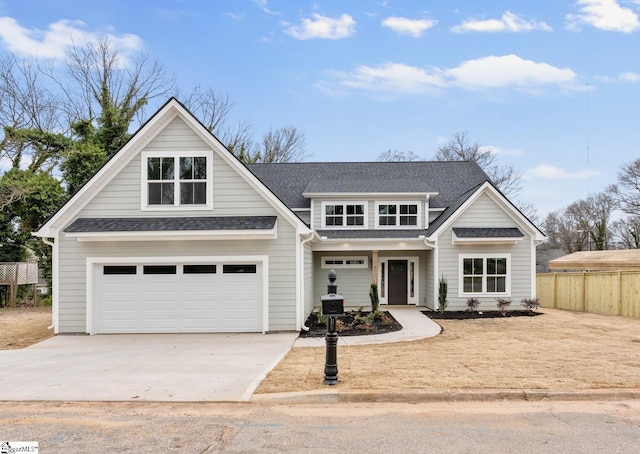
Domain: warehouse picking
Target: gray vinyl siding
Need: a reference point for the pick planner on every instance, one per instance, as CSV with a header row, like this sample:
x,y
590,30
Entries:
x,y
485,213
232,196
231,193
353,283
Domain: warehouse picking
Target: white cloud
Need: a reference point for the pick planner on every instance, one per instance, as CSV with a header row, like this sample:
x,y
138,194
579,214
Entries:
x,y
508,70
263,6
509,22
324,27
54,42
484,73
630,77
390,77
405,26
604,15
549,172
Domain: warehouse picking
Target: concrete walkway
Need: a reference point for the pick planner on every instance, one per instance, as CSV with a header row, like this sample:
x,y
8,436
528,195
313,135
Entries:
x,y
415,325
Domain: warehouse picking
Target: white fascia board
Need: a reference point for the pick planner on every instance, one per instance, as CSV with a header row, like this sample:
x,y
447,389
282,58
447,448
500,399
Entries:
x,y
367,195
370,245
178,235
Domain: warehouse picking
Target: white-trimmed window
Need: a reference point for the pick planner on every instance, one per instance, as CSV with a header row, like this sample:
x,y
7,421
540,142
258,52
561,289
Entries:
x,y
485,274
344,215
403,215
176,180
345,262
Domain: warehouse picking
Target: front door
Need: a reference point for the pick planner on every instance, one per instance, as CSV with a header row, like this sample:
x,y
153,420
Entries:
x,y
397,282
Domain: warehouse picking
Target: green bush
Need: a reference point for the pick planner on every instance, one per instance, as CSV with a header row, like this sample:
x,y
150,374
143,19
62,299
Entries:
x,y
373,296
442,294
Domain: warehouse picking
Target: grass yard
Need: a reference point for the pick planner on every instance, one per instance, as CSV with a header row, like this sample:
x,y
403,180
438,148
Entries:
x,y
557,350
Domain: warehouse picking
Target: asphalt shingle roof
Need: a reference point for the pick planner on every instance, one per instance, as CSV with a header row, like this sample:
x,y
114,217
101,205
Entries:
x,y
450,179
479,232
171,224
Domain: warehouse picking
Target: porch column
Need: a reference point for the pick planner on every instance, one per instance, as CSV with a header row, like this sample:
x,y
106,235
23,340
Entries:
x,y
374,267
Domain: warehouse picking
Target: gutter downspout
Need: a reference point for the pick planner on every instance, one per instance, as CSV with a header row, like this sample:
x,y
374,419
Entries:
x,y
302,275
51,244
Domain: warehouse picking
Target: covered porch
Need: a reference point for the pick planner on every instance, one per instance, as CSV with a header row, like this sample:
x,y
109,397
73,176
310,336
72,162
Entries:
x,y
402,268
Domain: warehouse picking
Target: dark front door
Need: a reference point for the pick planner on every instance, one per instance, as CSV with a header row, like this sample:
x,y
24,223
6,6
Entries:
x,y
397,282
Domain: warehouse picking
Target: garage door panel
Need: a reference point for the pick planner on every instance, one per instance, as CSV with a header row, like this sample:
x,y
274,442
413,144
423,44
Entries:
x,y
173,303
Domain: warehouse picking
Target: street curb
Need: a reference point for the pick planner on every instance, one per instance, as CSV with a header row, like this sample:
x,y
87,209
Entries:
x,y
457,395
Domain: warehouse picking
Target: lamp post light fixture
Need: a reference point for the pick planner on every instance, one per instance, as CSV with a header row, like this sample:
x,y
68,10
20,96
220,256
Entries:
x,y
332,307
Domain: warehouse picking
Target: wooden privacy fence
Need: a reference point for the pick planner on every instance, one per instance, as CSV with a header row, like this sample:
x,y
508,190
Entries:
x,y
600,292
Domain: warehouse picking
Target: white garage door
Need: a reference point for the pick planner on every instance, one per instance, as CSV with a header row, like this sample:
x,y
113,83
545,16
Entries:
x,y
178,298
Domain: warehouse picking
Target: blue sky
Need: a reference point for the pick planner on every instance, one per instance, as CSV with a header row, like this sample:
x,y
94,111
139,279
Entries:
x,y
552,86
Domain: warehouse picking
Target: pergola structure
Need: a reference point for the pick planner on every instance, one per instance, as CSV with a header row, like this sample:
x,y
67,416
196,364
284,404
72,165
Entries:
x,y
614,260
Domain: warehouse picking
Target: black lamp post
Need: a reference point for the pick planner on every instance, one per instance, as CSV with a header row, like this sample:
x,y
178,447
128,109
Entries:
x,y
332,307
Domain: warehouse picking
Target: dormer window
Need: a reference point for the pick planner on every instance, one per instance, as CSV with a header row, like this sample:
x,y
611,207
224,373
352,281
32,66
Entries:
x,y
182,180
344,215
397,215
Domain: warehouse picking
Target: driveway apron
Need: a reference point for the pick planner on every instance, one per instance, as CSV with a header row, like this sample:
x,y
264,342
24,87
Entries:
x,y
151,367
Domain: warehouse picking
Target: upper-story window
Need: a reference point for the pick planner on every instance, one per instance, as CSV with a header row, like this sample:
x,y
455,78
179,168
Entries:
x,y
397,215
182,180
344,215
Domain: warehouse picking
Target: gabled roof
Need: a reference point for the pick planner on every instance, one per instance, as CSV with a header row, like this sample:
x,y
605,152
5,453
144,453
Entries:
x,y
170,110
463,201
444,180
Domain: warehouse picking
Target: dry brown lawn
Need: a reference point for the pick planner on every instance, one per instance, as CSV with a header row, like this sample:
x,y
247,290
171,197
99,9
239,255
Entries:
x,y
22,327
556,350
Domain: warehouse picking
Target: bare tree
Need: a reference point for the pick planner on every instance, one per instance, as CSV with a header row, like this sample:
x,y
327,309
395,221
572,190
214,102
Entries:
x,y
214,110
284,144
397,156
460,148
583,225
627,192
25,105
626,232
110,90
561,228
210,107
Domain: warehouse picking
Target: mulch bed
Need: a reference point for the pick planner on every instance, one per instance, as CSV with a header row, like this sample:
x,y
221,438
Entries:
x,y
349,325
469,315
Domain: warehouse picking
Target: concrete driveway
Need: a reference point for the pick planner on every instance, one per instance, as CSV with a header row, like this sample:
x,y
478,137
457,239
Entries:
x,y
131,367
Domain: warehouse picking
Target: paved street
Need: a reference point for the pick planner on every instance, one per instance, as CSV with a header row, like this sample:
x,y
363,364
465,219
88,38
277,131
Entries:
x,y
478,427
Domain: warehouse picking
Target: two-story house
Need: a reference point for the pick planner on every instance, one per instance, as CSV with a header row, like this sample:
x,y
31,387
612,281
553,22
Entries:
x,y
174,234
